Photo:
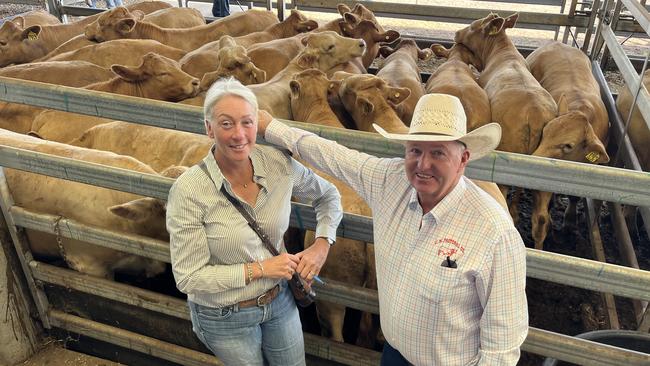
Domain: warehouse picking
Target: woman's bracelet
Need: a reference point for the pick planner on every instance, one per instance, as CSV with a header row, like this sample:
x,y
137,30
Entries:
x,y
261,268
249,269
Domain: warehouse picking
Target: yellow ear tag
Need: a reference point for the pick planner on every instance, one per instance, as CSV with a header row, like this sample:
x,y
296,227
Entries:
x,y
396,95
331,86
32,36
493,31
592,157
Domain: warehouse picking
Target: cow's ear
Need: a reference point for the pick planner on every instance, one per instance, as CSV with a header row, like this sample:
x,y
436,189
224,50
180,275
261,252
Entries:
x,y
364,105
511,21
562,105
333,87
596,153
342,9
139,210
440,50
226,41
494,27
129,74
389,36
31,33
173,171
19,21
351,18
424,54
398,95
305,40
295,88
259,75
306,26
306,60
125,26
386,51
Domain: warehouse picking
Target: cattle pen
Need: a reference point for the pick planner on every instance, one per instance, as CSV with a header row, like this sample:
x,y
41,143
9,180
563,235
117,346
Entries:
x,y
32,282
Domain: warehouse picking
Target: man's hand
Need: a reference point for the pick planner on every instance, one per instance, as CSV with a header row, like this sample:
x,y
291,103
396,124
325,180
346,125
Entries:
x,y
312,259
263,120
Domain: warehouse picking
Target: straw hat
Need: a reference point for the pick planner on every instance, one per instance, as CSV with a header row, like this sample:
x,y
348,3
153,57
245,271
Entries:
x,y
441,117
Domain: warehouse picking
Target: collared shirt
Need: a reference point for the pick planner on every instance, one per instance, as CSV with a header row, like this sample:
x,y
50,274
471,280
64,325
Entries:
x,y
210,240
433,314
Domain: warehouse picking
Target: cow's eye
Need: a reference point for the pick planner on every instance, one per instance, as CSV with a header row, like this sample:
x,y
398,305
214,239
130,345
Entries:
x,y
331,47
3,43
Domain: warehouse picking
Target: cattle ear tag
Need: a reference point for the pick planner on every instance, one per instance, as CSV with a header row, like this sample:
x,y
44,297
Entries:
x,y
592,157
387,38
493,31
396,95
32,36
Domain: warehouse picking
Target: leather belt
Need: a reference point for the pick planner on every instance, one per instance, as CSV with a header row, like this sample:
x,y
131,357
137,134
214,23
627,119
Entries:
x,y
263,299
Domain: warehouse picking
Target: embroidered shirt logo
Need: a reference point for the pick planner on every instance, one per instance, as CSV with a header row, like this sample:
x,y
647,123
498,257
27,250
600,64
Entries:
x,y
447,247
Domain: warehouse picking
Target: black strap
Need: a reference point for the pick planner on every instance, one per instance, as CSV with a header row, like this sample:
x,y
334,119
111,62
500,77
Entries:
x,y
251,221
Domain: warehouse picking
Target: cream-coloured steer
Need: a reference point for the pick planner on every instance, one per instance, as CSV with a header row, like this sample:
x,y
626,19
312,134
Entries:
x,y
156,78
401,69
323,51
232,60
206,58
93,206
19,117
518,103
580,130
119,23
128,52
20,44
455,77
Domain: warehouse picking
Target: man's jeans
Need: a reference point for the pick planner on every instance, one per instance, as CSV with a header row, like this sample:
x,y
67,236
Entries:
x,y
251,335
391,357
220,8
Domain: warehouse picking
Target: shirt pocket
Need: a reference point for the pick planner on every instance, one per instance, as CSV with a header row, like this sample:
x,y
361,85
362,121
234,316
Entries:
x,y
439,283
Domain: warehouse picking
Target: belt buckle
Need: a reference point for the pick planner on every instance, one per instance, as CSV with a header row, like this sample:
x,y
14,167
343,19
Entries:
x,y
261,299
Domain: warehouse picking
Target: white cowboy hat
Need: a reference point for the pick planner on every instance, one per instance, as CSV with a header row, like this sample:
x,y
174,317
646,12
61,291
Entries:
x,y
441,117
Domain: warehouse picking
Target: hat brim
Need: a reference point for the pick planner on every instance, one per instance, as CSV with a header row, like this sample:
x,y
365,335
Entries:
x,y
479,142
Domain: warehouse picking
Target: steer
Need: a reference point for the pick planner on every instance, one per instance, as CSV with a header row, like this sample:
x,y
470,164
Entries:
x,y
401,70
20,44
205,59
323,51
127,52
156,78
18,117
120,23
638,131
94,206
455,77
579,131
232,60
517,101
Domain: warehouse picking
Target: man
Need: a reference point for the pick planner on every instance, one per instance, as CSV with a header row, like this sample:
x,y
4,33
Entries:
x,y
451,267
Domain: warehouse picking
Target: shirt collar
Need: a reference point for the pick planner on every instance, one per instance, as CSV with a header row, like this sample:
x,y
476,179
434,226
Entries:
x,y
449,202
259,169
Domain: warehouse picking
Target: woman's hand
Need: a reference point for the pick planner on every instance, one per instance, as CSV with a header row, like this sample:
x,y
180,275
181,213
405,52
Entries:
x,y
312,259
263,120
281,266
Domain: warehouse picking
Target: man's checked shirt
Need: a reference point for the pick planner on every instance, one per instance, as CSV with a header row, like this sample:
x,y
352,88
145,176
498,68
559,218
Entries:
x,y
432,313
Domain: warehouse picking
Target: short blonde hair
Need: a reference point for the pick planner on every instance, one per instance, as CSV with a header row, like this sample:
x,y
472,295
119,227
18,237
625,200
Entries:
x,y
225,87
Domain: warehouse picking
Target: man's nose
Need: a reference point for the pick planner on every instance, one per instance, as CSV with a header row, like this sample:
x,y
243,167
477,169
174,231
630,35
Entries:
x,y
424,162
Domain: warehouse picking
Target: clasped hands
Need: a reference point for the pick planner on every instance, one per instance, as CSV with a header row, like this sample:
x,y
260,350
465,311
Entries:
x,y
307,263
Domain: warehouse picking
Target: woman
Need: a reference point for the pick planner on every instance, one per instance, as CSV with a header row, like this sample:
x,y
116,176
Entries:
x,y
241,306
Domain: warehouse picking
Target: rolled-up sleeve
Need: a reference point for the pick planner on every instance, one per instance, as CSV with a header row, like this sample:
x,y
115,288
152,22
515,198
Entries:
x,y
502,291
188,245
323,195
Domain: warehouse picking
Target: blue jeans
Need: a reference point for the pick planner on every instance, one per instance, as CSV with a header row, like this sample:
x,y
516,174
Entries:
x,y
220,8
267,335
391,357
113,3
